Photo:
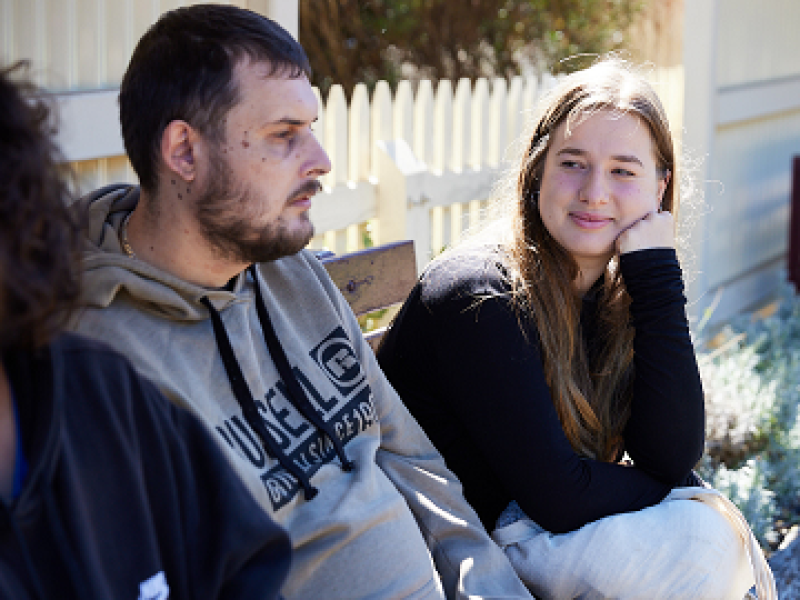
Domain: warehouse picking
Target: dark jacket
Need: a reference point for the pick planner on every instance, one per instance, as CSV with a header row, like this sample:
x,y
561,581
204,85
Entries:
x,y
126,495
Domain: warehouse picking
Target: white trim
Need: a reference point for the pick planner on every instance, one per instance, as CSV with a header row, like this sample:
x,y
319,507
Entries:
x,y
757,100
748,290
89,125
699,119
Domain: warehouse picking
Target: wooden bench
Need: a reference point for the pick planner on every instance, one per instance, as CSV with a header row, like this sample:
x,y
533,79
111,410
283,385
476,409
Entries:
x,y
374,279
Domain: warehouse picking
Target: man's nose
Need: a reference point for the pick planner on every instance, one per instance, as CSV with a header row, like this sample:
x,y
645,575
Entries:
x,y
318,163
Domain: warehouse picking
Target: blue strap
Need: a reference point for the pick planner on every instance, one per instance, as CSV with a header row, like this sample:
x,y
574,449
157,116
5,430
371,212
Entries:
x,y
20,463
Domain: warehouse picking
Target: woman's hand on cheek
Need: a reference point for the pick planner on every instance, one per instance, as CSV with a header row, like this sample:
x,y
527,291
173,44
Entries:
x,y
654,230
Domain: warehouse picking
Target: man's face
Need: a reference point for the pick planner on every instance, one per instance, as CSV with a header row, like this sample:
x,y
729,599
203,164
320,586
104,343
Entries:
x,y
260,178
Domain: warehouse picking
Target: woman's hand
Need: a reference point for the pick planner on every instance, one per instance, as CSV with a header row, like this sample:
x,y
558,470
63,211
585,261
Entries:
x,y
654,230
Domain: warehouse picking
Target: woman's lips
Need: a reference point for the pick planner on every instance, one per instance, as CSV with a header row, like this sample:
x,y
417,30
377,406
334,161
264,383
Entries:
x,y
589,220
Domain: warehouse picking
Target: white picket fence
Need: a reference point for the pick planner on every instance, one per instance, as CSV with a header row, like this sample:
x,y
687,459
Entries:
x,y
414,166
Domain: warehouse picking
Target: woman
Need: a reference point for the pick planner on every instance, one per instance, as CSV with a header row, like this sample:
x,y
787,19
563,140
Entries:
x,y
106,489
536,357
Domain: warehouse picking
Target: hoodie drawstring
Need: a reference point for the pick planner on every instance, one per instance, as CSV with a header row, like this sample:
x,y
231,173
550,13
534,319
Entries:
x,y
293,387
245,398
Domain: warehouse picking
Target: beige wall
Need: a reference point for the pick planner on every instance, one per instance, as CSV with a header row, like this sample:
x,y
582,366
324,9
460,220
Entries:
x,y
86,44
741,129
80,45
757,41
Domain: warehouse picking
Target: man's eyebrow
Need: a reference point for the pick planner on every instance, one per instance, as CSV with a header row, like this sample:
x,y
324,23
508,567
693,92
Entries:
x,y
290,121
625,158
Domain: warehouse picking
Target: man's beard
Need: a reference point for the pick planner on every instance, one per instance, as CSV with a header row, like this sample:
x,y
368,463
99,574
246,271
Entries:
x,y
220,211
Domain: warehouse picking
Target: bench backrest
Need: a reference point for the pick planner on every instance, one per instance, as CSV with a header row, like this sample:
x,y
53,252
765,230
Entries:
x,y
374,279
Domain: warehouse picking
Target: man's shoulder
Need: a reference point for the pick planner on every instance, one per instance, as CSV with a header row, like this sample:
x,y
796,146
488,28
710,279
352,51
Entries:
x,y
300,270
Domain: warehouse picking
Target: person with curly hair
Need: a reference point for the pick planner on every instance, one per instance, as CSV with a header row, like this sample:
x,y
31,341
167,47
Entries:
x,y
106,489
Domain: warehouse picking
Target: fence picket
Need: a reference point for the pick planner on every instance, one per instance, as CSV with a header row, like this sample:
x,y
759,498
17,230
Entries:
x,y
514,117
336,134
381,119
404,113
480,124
443,126
461,125
498,112
423,117
360,148
530,95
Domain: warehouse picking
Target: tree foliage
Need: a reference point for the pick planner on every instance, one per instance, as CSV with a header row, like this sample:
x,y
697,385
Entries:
x,y
351,41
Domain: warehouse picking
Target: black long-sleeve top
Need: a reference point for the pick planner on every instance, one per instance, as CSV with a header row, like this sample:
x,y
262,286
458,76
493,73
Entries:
x,y
474,380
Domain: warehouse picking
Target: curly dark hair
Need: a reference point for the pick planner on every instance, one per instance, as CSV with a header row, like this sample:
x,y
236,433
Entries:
x,y
39,238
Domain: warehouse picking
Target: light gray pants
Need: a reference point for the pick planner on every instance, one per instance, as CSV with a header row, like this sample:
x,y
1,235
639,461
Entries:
x,y
694,544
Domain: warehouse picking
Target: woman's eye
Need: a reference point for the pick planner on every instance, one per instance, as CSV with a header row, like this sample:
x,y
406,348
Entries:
x,y
571,164
285,135
623,172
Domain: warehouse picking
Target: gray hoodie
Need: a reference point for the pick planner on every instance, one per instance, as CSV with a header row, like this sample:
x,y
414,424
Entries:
x,y
397,524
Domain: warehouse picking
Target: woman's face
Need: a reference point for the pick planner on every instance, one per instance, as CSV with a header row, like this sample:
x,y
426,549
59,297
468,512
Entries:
x,y
598,181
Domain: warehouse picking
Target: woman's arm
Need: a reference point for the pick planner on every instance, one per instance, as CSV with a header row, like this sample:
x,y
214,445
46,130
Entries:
x,y
665,434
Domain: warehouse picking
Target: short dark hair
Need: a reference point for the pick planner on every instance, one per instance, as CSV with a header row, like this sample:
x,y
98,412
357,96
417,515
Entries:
x,y
183,68
39,238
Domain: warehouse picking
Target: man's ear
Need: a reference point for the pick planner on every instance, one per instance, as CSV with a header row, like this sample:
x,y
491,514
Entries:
x,y
179,149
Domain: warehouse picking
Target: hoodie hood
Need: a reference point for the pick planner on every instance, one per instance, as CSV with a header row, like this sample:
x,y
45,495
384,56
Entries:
x,y
109,272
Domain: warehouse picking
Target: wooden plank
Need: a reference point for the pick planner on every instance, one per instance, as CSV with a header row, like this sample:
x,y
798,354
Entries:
x,y
375,337
374,278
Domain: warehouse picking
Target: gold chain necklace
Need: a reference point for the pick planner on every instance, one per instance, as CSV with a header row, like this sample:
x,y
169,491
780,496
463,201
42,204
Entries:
x,y
123,237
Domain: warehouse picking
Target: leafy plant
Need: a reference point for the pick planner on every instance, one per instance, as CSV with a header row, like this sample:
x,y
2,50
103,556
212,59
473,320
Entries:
x,y
755,385
352,41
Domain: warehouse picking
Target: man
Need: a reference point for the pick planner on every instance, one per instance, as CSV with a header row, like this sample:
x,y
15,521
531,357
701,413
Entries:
x,y
198,276
106,489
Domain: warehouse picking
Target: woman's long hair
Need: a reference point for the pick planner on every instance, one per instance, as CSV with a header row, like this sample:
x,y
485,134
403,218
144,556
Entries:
x,y
592,400
39,239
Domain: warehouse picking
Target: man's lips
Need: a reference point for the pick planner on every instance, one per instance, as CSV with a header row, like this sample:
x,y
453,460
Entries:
x,y
301,201
590,220
302,198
